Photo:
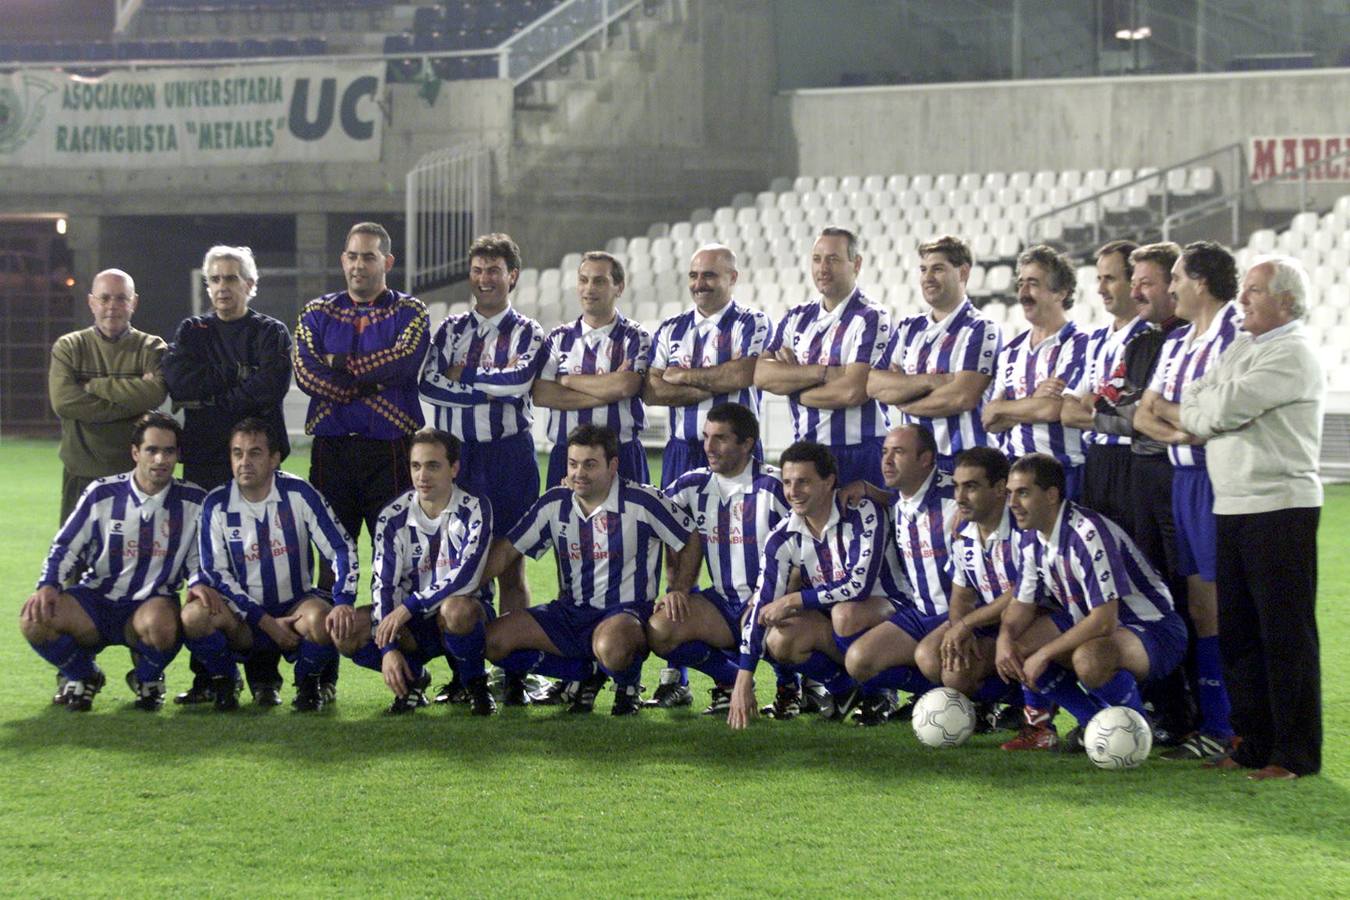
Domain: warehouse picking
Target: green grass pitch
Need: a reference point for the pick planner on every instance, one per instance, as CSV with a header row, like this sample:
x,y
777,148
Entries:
x,y
533,803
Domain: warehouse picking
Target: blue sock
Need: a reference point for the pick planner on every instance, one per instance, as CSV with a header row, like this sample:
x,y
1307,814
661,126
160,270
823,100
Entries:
x,y
1121,690
314,658
1037,709
214,653
819,667
684,675
992,691
786,675
899,678
151,663
522,662
707,659
1060,686
72,660
467,652
1215,710
368,657
628,676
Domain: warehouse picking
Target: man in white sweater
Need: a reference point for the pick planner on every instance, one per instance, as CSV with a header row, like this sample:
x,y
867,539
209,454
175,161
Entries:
x,y
1260,409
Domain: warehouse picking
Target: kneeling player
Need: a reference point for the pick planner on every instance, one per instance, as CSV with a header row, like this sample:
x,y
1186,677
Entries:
x,y
837,551
255,549
606,533
430,549
134,537
735,502
1110,622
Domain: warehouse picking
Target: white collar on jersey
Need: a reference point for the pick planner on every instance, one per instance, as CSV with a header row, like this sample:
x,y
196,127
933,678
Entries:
x,y
495,322
798,523
1212,332
910,505
971,530
957,310
1051,544
426,523
238,501
828,317
592,335
611,503
713,321
728,487
148,504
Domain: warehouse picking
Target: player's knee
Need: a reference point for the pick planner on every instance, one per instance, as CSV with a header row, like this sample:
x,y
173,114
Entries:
x,y
496,646
36,632
196,620
963,681
161,632
929,661
847,619
859,665
312,625
350,644
663,635
460,615
1093,663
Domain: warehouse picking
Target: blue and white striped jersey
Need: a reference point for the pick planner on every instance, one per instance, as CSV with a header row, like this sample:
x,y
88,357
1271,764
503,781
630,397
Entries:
x,y
579,349
964,341
1105,349
694,341
613,555
130,545
924,525
1087,562
1185,357
491,397
1021,367
855,332
257,555
734,517
420,561
988,566
838,567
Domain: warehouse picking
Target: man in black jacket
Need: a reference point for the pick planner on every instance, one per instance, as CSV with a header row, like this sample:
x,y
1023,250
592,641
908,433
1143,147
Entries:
x,y
230,364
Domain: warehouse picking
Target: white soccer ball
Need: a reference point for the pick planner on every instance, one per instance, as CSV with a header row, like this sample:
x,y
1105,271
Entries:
x,y
943,717
1118,738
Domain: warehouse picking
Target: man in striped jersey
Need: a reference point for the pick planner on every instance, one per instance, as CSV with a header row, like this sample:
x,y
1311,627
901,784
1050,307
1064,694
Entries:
x,y
430,548
923,518
1035,365
819,358
938,366
606,533
735,502
1205,284
592,370
1106,469
131,539
478,376
1110,623
837,552
704,357
255,551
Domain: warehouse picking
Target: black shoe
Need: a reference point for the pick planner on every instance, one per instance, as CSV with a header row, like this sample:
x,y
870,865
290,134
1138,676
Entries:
x,y
787,703
414,699
587,690
262,669
453,691
514,693
721,701
80,693
627,701
557,693
149,694
328,691
481,702
1009,718
876,709
670,693
200,692
1072,742
60,698
266,694
815,698
308,695
845,703
224,690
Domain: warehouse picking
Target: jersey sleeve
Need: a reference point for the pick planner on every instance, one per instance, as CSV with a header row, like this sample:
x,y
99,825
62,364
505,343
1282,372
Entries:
x,y
670,522
74,547
1029,576
533,534
1097,561
386,567
334,544
757,334
516,376
774,568
435,388
865,551
867,338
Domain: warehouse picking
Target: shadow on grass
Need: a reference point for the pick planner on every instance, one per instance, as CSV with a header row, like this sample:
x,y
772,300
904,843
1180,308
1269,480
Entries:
x,y
682,745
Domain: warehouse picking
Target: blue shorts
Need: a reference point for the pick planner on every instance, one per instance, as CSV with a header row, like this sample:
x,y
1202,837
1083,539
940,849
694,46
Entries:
x,y
859,462
570,626
506,472
1197,528
632,463
916,624
731,610
1164,640
110,617
1073,482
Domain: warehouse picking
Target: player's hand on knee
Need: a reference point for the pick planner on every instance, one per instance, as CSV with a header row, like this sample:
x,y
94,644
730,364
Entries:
x,y
208,597
282,631
1008,663
1034,667
396,671
387,631
41,605
675,605
340,622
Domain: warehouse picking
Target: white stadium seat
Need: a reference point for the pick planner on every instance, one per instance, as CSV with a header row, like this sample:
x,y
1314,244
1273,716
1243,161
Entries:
x,y
743,199
780,184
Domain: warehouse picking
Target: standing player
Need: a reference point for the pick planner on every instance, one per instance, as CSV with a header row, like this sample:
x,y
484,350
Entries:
x,y
592,371
820,356
607,534
938,366
734,502
1034,367
131,540
837,552
1106,469
255,551
430,548
478,376
1110,625
1204,283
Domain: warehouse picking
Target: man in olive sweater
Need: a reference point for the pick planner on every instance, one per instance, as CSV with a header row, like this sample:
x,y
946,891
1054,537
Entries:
x,y
100,382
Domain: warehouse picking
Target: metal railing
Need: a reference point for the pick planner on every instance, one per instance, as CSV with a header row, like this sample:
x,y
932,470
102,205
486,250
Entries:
x,y
1098,205
545,40
449,201
1235,199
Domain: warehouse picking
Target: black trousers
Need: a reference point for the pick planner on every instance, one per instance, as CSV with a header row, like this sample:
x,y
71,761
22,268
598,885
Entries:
x,y
1106,483
358,477
1267,581
207,476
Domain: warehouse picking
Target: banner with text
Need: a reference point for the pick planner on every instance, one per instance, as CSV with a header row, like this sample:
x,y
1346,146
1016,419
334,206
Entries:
x,y
1272,157
238,115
